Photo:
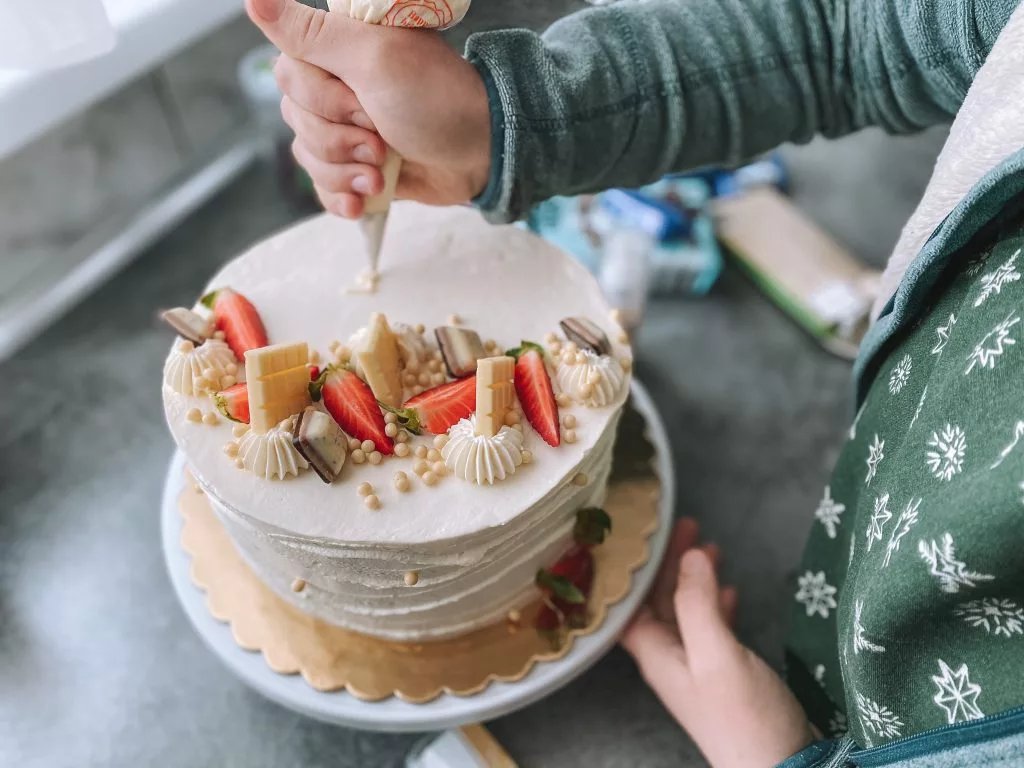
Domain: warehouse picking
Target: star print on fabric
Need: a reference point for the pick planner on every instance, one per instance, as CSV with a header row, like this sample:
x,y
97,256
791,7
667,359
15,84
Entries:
x,y
992,283
943,332
900,375
986,353
943,565
837,726
920,405
877,721
957,695
860,642
817,596
1018,432
875,456
819,674
828,512
903,525
947,458
879,517
996,616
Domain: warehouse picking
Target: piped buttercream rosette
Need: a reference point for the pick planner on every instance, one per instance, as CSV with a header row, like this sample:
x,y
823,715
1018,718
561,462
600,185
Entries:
x,y
588,378
482,459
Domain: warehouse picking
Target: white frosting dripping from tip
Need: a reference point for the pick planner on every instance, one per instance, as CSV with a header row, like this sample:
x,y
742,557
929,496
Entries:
x,y
271,455
602,374
480,459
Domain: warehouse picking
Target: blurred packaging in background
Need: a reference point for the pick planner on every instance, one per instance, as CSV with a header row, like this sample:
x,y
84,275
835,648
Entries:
x,y
69,32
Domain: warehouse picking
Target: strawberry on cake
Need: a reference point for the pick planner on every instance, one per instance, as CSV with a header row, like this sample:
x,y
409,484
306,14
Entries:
x,y
415,462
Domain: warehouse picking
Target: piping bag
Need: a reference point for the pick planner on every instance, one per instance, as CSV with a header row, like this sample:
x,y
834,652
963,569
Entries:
x,y
422,14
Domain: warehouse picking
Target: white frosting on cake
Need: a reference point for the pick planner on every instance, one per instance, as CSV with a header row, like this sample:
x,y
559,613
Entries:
x,y
475,548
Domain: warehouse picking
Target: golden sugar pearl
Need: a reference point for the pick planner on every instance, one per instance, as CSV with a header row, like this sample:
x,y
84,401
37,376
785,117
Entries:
x,y
402,450
454,319
364,489
210,374
580,358
568,358
580,479
512,417
563,400
627,364
239,463
411,578
219,335
402,437
231,449
433,455
314,357
333,347
375,457
550,337
353,443
434,366
185,346
239,429
623,338
429,478
439,468
586,391
436,355
227,381
401,481
372,501
409,380
569,421
527,457
194,415
571,348
420,466
358,456
424,379
421,452
514,616
438,379
440,441
298,585
569,436
616,316
555,350
344,354
412,365
421,328
210,418
390,418
594,378
366,445
391,430
231,368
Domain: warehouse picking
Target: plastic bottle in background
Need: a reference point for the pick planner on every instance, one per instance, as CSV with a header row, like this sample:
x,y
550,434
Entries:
x,y
624,274
37,35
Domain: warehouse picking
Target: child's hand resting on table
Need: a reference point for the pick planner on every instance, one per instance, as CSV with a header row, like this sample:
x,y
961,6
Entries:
x,y
347,84
736,709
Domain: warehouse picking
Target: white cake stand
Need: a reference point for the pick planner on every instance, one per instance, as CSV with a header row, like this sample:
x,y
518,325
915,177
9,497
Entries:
x,y
446,711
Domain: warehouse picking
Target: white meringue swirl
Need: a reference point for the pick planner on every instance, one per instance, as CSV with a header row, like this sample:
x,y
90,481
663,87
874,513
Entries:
x,y
187,365
480,459
592,379
271,455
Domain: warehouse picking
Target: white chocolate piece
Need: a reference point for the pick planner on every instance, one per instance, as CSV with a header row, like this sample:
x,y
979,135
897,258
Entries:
x,y
278,381
188,324
495,392
379,362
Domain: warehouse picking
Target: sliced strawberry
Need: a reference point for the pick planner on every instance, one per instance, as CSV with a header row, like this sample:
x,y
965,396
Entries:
x,y
533,388
314,372
566,587
233,403
237,317
352,404
437,409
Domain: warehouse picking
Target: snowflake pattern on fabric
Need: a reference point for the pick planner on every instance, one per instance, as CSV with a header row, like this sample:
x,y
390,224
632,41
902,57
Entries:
x,y
957,695
920,405
816,595
819,674
879,517
856,420
828,512
1018,432
986,353
860,641
837,726
900,375
876,720
943,565
992,283
943,332
996,616
903,525
875,456
947,458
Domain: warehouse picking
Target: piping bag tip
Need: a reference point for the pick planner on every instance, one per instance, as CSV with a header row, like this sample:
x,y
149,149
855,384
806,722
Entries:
x,y
373,225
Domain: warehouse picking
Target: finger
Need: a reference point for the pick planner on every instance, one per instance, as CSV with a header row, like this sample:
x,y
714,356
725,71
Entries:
x,y
356,178
319,92
345,205
697,610
651,643
683,537
327,40
714,553
728,601
331,142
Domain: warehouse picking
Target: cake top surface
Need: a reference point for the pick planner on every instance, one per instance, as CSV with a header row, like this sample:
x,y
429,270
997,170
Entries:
x,y
501,281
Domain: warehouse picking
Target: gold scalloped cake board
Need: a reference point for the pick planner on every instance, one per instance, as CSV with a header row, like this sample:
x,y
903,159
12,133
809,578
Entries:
x,y
330,658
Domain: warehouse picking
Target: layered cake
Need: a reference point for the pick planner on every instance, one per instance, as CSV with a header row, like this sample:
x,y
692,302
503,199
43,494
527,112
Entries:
x,y
415,457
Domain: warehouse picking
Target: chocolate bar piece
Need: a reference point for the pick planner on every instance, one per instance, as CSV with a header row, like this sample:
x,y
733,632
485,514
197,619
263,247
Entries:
x,y
321,442
188,324
586,334
460,348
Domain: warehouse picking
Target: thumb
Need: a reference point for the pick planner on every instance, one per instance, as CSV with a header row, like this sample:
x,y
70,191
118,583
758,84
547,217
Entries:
x,y
701,623
301,32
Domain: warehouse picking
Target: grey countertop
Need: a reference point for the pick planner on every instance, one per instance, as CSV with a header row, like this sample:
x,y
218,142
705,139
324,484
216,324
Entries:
x,y
98,664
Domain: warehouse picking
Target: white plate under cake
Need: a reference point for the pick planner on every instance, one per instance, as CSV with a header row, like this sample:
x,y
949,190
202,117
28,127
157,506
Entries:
x,y
310,491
